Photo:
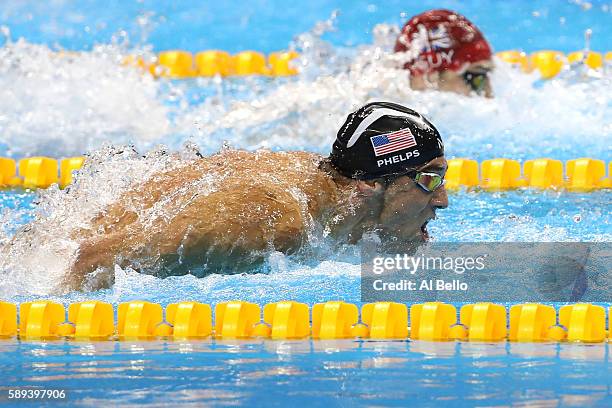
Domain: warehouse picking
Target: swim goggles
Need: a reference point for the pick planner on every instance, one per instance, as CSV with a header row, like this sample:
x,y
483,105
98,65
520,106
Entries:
x,y
429,182
477,81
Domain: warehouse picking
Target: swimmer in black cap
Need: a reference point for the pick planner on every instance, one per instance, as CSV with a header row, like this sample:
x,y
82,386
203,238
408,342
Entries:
x,y
395,157
385,174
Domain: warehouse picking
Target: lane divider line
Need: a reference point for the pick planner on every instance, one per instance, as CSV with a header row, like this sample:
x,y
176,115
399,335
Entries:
x,y
431,321
581,175
180,64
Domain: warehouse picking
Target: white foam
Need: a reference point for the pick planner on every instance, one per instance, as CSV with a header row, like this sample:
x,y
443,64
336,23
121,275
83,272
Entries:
x,y
66,105
35,259
63,104
526,118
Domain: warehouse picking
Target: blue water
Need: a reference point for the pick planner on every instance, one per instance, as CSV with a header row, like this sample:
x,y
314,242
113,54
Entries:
x,y
60,108
321,373
522,216
267,26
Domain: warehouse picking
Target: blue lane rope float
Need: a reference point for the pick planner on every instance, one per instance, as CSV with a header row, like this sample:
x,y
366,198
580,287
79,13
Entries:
x,y
584,174
431,321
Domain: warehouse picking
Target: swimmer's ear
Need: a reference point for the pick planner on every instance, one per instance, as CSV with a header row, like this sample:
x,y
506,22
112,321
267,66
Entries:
x,y
370,187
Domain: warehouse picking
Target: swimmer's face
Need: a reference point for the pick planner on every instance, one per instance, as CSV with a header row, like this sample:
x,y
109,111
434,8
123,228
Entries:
x,y
407,207
473,79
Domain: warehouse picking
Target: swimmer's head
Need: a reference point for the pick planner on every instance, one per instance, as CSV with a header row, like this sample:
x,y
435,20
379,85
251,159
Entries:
x,y
382,139
444,50
395,159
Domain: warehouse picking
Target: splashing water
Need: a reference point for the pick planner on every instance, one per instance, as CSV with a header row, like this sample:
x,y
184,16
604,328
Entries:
x,y
36,257
522,121
34,260
64,104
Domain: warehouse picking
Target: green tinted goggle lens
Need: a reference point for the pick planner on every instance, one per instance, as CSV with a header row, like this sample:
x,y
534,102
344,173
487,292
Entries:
x,y
476,80
429,181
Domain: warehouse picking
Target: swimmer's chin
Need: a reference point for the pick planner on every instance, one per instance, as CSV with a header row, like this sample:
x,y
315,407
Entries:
x,y
405,244
411,236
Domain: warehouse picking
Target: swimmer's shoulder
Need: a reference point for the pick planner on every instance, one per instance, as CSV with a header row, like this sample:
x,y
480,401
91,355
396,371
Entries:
x,y
283,169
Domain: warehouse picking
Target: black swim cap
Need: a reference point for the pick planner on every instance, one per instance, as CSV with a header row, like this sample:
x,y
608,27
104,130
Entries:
x,y
384,138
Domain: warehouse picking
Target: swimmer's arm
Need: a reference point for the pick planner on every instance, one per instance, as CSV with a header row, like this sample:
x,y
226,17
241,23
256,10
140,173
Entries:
x,y
94,253
358,213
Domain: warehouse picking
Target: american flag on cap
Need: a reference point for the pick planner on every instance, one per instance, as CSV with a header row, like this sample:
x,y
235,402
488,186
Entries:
x,y
392,142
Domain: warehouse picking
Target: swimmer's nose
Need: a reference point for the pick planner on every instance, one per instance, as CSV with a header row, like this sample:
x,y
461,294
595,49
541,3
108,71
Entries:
x,y
439,198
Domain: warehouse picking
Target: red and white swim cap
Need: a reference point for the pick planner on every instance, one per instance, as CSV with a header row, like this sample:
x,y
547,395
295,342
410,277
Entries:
x,y
440,40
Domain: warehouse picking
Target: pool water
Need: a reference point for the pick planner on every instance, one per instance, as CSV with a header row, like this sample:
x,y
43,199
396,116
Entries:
x,y
320,373
520,216
71,104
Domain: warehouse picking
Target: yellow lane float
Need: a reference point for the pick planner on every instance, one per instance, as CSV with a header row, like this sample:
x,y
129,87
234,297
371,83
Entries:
x,y
543,173
581,175
548,63
532,322
584,322
287,320
516,58
8,319
176,64
461,173
280,63
40,319
430,321
592,59
501,174
8,173
67,166
385,320
138,319
236,319
333,320
585,174
250,63
38,172
92,319
484,321
211,63
179,64
189,319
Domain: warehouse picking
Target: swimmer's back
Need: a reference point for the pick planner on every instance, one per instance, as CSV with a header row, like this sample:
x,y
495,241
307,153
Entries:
x,y
264,198
215,210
